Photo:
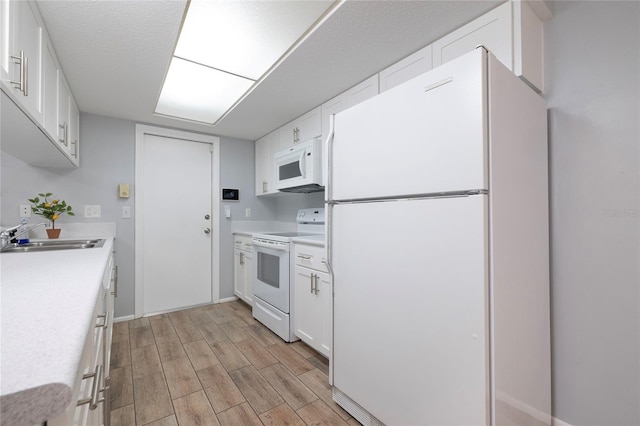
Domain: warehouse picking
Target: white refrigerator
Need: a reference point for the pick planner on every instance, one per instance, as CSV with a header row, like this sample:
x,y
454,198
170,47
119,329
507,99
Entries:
x,y
437,233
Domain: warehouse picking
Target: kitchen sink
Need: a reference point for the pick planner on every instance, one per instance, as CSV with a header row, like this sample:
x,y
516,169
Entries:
x,y
53,245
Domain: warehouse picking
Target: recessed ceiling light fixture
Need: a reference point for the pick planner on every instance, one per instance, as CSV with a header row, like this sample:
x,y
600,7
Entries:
x,y
226,47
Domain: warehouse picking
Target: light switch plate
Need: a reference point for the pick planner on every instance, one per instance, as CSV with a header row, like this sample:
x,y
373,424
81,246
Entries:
x,y
126,212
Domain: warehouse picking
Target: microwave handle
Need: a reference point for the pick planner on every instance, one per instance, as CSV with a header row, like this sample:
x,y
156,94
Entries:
x,y
300,163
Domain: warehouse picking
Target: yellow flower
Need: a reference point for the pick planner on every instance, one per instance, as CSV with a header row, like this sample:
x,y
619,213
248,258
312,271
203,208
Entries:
x,y
54,202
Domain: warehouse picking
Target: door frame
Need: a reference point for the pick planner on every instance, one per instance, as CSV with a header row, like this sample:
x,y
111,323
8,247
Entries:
x,y
214,142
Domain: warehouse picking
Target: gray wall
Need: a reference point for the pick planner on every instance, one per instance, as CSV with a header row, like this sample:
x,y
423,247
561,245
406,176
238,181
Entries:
x,y
593,71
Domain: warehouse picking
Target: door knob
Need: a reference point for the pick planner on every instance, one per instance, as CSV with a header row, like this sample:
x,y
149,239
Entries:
x,y
206,216
207,230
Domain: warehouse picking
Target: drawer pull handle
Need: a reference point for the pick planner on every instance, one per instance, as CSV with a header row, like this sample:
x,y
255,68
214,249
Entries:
x,y
304,256
93,400
105,318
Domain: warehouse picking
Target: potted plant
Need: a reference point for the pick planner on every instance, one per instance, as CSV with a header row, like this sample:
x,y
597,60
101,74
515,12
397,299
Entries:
x,y
51,210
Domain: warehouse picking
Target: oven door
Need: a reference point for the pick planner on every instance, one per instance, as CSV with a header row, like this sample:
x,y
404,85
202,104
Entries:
x,y
271,275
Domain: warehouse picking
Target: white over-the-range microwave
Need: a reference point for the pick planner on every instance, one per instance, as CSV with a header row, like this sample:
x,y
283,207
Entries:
x,y
299,168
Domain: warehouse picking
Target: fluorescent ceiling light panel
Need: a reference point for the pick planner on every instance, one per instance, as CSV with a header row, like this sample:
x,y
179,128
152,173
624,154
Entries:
x,y
225,46
195,92
245,37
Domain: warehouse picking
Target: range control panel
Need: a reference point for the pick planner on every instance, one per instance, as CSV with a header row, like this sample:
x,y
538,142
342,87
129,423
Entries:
x,y
310,215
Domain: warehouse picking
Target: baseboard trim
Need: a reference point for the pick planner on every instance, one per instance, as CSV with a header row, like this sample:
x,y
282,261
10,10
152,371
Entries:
x,y
558,422
228,299
518,405
124,318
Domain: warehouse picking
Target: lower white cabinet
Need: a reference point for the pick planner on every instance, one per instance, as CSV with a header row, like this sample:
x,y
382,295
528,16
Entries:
x,y
243,268
90,403
313,298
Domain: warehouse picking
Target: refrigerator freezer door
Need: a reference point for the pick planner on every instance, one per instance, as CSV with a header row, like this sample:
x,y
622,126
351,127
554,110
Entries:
x,y
427,135
410,309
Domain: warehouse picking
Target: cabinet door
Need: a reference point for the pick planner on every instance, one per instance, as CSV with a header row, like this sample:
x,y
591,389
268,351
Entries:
x,y
325,293
74,130
266,147
302,129
492,30
308,310
64,95
27,38
50,77
248,277
238,273
310,125
406,69
6,37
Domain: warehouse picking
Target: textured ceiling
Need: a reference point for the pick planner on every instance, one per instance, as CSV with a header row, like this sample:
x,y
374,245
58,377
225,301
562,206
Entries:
x,y
115,53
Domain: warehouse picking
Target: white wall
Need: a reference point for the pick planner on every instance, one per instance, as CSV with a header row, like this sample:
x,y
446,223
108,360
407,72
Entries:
x,y
592,66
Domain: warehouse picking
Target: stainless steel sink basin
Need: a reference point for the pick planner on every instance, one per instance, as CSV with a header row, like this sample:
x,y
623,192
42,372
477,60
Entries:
x,y
53,245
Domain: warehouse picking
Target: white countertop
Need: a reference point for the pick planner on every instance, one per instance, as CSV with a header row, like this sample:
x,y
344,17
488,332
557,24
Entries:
x,y
46,311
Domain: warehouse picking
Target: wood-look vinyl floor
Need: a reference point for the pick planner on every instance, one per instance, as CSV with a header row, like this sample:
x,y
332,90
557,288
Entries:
x,y
216,365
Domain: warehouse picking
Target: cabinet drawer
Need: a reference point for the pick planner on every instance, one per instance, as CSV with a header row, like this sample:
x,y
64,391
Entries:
x,y
242,242
312,257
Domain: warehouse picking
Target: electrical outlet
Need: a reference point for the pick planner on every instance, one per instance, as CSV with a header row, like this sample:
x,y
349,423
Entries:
x,y
247,212
126,212
92,211
25,210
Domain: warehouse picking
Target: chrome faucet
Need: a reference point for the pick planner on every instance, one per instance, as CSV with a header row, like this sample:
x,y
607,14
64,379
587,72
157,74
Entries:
x,y
6,237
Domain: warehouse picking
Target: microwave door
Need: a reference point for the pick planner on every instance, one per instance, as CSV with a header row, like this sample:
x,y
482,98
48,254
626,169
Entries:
x,y
301,164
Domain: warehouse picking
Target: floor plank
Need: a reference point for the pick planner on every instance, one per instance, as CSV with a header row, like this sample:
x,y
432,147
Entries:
x,y
220,389
120,354
281,415
318,382
163,330
241,415
229,355
290,358
145,361
165,421
263,335
181,377
294,392
234,332
151,398
141,336
256,353
120,331
318,413
258,392
123,416
121,392
194,410
211,332
172,349
201,355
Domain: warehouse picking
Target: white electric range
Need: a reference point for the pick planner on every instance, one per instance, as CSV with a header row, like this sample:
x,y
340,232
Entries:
x,y
273,274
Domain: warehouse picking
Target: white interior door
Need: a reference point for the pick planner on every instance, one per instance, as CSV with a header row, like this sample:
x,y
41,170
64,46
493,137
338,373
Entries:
x,y
175,195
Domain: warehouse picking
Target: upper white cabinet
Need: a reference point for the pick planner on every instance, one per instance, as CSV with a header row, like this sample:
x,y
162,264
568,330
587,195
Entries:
x,y
360,92
303,128
23,47
406,69
266,147
33,81
512,32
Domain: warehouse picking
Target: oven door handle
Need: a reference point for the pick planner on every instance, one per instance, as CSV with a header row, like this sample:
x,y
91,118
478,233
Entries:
x,y
269,246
